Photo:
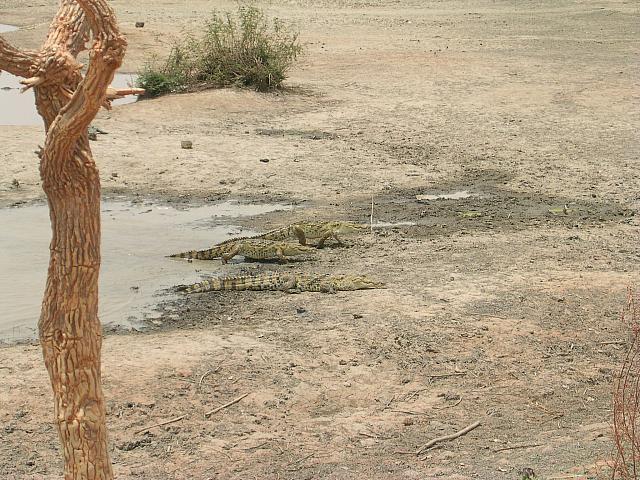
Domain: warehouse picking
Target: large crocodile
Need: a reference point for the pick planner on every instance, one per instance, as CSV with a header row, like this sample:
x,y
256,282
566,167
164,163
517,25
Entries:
x,y
286,282
249,248
320,231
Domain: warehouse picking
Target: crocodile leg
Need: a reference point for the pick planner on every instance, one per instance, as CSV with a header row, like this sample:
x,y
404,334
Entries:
x,y
299,233
323,239
291,286
340,242
232,253
280,255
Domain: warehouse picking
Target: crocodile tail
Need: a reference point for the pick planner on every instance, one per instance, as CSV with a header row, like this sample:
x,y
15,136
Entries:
x,y
268,281
188,254
208,254
279,234
211,285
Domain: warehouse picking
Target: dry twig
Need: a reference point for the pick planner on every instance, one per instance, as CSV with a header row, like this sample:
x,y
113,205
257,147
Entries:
x,y
449,406
409,412
160,424
204,375
446,438
515,447
393,397
371,215
444,375
222,407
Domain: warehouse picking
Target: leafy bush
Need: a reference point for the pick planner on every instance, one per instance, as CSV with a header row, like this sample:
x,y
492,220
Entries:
x,y
242,50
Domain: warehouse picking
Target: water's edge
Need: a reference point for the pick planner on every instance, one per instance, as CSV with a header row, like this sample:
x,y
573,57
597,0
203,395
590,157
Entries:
x,y
135,273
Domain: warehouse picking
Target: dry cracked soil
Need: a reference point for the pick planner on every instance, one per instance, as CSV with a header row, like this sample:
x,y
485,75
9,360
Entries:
x,y
502,306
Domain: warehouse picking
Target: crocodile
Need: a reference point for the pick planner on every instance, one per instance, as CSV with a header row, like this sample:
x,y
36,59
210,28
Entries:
x,y
249,248
304,231
314,230
286,282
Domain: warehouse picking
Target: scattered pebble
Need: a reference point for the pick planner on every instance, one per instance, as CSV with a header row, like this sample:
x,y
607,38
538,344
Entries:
x,y
186,144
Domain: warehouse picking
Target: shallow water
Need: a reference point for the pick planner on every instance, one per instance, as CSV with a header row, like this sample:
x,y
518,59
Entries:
x,y
136,239
4,28
447,196
19,108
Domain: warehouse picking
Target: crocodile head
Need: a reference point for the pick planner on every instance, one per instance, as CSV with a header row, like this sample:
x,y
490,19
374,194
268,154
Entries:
x,y
296,249
348,227
360,282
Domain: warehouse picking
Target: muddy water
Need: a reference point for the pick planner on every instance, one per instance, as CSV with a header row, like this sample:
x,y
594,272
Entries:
x,y
136,239
446,196
19,108
4,28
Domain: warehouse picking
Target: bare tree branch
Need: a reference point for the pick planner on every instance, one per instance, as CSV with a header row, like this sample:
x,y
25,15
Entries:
x,y
69,29
106,56
15,61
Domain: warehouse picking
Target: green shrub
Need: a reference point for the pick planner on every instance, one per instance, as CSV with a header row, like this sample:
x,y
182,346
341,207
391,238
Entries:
x,y
242,50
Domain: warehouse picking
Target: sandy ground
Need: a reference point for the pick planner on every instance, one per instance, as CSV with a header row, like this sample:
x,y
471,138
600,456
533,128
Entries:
x,y
501,308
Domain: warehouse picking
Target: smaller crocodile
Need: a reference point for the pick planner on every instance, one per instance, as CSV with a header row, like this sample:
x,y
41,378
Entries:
x,y
286,282
248,248
320,231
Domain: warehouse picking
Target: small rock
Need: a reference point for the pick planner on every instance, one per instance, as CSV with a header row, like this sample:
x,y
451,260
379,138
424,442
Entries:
x,y
347,384
139,24
356,316
114,174
186,144
264,160
15,183
342,362
407,421
301,310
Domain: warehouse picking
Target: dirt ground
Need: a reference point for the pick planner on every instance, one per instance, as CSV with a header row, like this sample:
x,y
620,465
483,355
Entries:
x,y
501,308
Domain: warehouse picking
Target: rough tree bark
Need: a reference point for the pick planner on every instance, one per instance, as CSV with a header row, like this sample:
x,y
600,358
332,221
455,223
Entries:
x,y
70,332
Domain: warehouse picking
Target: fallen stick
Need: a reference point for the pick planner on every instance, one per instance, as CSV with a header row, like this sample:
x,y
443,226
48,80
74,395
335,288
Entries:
x,y
389,402
445,438
443,375
449,406
232,402
159,424
371,219
530,445
203,377
408,412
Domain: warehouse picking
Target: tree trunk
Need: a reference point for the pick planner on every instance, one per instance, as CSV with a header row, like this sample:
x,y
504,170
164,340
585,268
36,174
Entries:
x,y
70,332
